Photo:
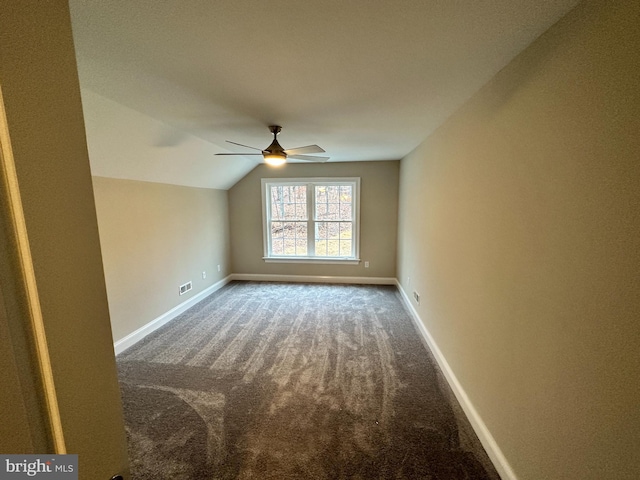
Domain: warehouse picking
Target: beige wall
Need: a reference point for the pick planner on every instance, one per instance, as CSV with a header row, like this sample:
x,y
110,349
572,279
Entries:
x,y
39,81
378,219
156,237
519,228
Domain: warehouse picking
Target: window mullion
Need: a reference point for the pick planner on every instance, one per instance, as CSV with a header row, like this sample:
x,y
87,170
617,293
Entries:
x,y
311,220
269,220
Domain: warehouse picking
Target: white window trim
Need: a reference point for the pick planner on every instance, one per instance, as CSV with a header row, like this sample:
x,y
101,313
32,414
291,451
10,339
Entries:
x,y
354,181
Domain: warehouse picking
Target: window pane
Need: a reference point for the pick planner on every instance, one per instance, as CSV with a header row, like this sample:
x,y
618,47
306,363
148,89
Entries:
x,y
321,211
301,211
345,194
345,248
289,230
289,193
275,213
333,230
276,229
292,238
346,231
321,203
321,230
320,239
333,239
277,246
289,211
334,202
301,238
332,211
333,194
333,248
345,211
321,248
289,246
288,202
301,246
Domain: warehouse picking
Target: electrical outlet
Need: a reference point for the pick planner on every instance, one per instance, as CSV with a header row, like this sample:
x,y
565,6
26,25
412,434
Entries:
x,y
204,275
218,267
416,297
366,264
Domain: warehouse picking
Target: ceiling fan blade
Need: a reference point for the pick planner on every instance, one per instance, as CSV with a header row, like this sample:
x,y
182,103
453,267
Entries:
x,y
309,158
245,146
302,150
239,154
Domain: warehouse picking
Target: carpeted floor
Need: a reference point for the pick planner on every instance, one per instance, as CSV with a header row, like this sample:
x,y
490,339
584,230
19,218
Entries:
x,y
293,381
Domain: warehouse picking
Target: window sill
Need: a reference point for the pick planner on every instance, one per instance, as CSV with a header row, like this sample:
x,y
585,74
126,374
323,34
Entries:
x,y
317,260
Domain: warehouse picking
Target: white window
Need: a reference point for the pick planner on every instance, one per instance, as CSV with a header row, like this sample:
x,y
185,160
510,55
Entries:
x,y
311,219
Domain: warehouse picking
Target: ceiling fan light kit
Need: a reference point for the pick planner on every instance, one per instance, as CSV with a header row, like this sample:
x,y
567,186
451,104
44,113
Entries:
x,y
275,156
274,159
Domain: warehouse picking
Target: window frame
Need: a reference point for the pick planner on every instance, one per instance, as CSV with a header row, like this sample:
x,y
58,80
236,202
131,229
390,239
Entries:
x,y
311,183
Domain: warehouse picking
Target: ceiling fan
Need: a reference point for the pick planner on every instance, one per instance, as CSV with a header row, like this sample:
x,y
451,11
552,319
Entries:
x,y
275,155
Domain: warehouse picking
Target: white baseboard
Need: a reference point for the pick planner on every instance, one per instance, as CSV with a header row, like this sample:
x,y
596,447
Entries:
x,y
134,337
260,277
488,442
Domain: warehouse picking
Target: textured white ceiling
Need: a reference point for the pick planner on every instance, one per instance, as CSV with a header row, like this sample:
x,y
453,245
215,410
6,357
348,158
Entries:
x,y
366,80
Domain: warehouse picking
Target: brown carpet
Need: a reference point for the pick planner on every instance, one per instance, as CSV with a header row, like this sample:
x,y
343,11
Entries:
x,y
293,381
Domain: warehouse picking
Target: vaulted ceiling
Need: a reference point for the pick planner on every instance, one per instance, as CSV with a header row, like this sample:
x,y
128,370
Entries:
x,y
165,83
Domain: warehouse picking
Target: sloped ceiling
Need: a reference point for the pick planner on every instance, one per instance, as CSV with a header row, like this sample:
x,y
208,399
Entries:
x,y
165,83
